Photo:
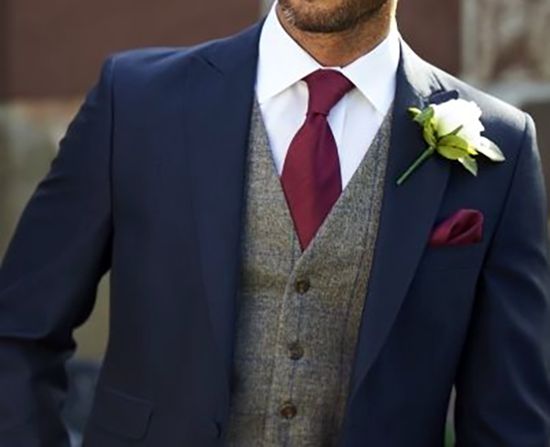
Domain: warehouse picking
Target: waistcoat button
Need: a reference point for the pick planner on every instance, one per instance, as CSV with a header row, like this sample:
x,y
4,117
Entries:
x,y
295,351
302,286
288,410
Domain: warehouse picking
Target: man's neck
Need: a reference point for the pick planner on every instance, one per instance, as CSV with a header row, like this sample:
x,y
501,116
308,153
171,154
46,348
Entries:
x,y
342,48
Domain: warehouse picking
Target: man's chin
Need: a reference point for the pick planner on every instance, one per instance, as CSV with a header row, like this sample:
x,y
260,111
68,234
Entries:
x,y
325,16
312,16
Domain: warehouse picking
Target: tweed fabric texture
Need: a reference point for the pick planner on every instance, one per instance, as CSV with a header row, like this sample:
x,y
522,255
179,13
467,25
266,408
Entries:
x,y
276,312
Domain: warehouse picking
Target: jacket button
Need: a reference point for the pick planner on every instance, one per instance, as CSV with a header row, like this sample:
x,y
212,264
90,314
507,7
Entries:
x,y
288,410
295,351
302,286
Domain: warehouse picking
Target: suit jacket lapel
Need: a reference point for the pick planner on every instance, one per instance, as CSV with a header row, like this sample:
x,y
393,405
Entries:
x,y
219,94
408,212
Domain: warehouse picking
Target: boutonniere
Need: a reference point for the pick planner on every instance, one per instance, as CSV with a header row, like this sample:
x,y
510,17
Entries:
x,y
453,130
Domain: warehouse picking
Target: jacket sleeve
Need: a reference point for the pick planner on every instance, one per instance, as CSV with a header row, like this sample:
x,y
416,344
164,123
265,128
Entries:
x,y
503,382
49,276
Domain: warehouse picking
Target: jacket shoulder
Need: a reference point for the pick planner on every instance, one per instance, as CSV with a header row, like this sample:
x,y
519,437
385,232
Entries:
x,y
155,61
148,62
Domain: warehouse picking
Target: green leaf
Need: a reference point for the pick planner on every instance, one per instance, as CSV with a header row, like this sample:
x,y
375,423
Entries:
x,y
469,163
449,435
456,131
451,152
453,147
458,142
455,141
414,111
430,133
490,150
425,115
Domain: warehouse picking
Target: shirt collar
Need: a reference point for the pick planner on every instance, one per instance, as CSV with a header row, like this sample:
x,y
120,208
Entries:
x,y
282,63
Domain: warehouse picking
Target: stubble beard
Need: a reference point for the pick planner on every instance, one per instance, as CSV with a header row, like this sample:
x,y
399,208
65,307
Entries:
x,y
346,16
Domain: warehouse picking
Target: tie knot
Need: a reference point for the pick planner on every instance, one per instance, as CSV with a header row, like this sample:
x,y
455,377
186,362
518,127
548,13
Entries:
x,y
326,89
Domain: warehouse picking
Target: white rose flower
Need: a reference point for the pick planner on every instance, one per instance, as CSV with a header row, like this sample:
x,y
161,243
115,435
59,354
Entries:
x,y
453,130
452,114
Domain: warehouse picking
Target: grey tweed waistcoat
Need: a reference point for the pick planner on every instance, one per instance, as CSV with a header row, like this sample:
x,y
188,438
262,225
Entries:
x,y
299,313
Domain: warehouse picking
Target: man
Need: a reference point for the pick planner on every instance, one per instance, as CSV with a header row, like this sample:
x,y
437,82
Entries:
x,y
271,284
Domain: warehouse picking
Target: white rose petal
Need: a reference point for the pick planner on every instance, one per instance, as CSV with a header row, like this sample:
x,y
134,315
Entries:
x,y
490,150
452,114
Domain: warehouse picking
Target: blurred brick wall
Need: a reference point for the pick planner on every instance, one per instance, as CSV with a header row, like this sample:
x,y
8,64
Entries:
x,y
4,26
506,52
54,48
433,29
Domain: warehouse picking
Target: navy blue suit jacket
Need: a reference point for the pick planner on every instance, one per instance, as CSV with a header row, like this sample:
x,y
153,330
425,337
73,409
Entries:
x,y
148,184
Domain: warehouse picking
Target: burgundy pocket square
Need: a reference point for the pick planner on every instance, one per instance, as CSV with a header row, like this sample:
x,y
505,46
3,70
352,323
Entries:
x,y
465,227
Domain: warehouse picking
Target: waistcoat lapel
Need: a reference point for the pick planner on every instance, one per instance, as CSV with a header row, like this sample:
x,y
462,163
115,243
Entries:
x,y
219,95
415,203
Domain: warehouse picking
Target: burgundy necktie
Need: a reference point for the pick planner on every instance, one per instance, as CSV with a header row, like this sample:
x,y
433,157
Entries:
x,y
311,176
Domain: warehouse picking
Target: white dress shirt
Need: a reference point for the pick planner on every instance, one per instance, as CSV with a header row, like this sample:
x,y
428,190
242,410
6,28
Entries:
x,y
283,96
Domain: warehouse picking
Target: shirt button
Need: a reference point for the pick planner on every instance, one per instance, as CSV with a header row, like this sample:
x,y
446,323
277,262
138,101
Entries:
x,y
288,410
302,286
295,351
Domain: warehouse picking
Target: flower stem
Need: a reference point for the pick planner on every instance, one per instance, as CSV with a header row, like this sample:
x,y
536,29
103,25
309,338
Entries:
x,y
425,155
